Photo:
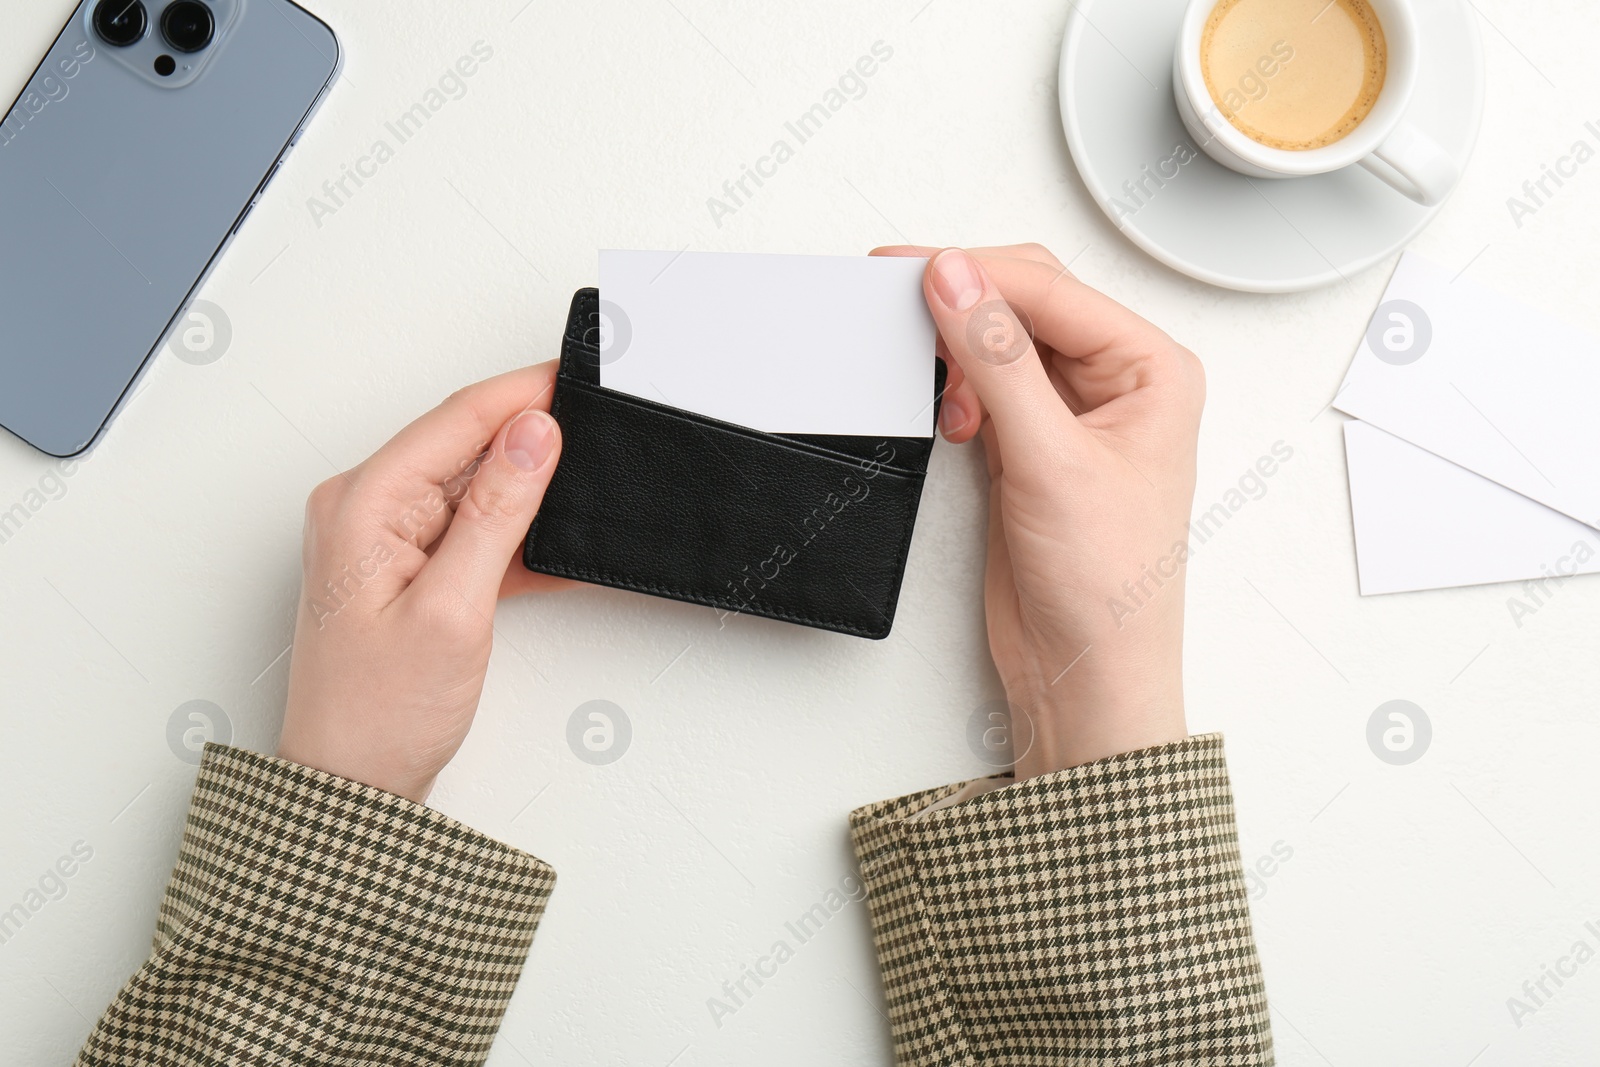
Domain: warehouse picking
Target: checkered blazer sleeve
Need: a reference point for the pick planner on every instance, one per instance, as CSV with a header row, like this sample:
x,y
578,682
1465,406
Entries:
x,y
313,920
1094,916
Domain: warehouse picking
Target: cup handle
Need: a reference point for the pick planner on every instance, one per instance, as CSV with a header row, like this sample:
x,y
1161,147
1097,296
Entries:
x,y
1412,162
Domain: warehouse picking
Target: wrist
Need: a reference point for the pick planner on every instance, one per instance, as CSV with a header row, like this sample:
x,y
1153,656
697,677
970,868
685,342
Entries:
x,y
359,763
1095,717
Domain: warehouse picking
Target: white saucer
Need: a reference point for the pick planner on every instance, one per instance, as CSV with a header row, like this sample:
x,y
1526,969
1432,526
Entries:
x,y
1262,236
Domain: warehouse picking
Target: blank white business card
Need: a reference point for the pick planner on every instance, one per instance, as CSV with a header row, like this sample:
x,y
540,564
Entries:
x,y
1423,522
1485,382
778,343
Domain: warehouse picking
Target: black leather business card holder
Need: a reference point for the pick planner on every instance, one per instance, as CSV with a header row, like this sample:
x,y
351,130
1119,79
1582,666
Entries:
x,y
813,530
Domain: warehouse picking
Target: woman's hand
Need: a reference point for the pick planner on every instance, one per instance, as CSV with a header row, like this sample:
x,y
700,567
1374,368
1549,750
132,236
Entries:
x,y
405,557
1090,418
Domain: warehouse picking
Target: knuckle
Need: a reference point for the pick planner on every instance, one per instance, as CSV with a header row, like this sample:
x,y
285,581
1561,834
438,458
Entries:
x,y
997,334
1189,379
465,405
324,507
1038,251
1196,370
490,504
324,502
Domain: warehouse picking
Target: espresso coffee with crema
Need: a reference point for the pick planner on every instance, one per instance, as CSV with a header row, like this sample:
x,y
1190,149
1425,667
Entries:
x,y
1294,74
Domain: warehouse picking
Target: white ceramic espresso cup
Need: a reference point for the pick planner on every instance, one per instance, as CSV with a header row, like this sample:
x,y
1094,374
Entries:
x,y
1384,143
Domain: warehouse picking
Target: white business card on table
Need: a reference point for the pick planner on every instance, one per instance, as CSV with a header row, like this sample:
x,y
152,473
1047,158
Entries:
x,y
782,344
1422,522
1498,388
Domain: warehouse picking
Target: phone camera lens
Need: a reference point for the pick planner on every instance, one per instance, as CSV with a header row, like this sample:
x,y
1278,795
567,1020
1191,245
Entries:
x,y
120,22
187,25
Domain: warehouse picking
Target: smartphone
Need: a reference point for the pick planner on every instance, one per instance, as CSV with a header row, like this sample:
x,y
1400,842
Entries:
x,y
129,161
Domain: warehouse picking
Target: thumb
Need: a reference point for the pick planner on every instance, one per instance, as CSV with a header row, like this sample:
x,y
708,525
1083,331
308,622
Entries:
x,y
492,520
995,350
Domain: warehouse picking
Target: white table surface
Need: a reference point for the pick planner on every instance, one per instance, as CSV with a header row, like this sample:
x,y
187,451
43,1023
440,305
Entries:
x,y
1417,899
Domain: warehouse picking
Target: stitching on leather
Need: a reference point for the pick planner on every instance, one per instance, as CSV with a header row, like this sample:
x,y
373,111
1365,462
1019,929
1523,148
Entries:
x,y
708,424
562,570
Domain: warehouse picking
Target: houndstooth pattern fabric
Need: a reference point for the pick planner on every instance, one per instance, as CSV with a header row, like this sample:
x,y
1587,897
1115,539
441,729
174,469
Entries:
x,y
313,920
1094,916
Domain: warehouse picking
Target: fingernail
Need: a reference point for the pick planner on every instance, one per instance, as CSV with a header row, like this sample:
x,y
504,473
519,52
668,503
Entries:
x,y
956,280
952,416
530,440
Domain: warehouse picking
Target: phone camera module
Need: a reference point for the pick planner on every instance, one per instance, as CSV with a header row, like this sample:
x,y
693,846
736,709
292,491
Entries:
x,y
120,22
188,25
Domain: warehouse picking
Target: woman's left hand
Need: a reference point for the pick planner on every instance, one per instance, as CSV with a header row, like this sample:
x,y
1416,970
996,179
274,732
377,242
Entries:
x,y
405,558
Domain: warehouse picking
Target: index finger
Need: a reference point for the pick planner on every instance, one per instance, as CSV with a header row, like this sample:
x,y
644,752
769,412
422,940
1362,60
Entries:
x,y
433,447
1076,320
436,455
1109,350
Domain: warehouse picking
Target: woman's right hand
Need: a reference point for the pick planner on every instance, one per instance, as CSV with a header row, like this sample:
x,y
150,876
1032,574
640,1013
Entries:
x,y
1090,419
